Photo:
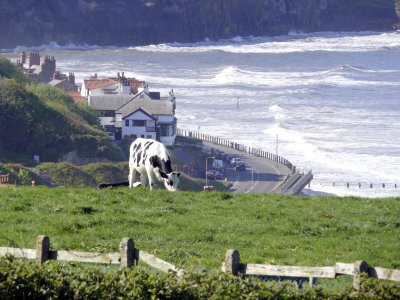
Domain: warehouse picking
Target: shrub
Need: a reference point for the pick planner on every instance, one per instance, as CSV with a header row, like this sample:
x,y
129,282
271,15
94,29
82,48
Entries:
x,y
19,174
105,172
65,174
20,279
125,144
96,146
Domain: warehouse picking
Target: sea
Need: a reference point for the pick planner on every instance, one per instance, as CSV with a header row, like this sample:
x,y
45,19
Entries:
x,y
328,102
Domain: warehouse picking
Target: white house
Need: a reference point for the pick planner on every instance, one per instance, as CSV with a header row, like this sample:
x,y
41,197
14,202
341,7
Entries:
x,y
119,85
149,117
96,87
145,114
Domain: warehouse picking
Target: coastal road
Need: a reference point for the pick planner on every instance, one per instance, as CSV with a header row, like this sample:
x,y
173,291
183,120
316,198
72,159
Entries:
x,y
261,175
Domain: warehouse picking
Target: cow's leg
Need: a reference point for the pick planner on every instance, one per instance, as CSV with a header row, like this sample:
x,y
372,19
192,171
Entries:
x,y
143,178
132,175
150,176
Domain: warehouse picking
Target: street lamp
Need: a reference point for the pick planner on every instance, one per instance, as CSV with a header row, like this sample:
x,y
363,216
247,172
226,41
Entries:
x,y
206,168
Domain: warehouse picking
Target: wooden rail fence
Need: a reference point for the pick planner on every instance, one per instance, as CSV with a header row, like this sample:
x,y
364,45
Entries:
x,y
128,256
233,265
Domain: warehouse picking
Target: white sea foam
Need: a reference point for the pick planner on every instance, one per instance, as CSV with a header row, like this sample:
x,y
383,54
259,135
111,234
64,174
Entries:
x,y
56,46
330,42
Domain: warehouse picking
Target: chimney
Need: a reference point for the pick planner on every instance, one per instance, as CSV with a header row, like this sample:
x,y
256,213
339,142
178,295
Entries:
x,y
23,57
57,75
33,59
30,59
71,78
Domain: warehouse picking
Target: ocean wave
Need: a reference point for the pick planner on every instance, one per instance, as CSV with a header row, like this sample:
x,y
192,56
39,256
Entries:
x,y
56,46
365,167
238,77
301,42
292,42
232,75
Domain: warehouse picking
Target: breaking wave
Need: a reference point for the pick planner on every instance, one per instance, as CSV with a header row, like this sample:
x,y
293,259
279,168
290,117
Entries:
x,y
327,41
56,46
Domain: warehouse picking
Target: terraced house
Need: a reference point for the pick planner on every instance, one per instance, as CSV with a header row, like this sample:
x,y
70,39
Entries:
x,y
143,114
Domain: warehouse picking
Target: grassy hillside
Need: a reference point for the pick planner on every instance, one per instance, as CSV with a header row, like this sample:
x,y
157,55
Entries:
x,y
194,230
43,120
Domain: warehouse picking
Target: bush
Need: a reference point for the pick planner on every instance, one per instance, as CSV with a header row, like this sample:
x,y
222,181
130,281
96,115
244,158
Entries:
x,y
19,174
125,144
20,279
65,174
104,172
9,70
96,146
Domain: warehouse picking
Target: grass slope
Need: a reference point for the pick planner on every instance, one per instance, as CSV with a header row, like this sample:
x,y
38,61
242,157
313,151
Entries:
x,y
194,230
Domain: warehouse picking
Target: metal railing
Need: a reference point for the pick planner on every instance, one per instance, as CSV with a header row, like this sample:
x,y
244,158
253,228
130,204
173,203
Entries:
x,y
237,146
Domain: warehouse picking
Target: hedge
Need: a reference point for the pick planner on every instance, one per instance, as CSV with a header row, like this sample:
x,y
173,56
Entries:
x,y
21,279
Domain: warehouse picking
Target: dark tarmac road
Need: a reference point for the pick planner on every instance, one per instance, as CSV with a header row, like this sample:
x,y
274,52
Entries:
x,y
262,176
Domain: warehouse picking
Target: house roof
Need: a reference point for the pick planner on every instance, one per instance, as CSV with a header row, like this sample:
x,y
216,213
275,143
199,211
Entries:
x,y
143,111
135,83
92,84
76,96
56,82
152,107
109,102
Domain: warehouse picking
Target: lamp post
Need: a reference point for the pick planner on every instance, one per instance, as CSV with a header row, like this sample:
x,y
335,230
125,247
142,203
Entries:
x,y
206,168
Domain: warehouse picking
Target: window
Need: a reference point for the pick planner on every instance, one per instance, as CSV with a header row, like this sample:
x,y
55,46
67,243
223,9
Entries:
x,y
109,128
164,130
150,126
126,123
142,136
149,136
139,123
106,113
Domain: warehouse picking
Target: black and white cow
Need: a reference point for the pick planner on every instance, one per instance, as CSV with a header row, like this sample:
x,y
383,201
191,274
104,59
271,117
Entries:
x,y
150,158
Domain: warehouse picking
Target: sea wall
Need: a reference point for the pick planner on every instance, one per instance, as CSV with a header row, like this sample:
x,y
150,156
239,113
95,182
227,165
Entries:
x,y
135,22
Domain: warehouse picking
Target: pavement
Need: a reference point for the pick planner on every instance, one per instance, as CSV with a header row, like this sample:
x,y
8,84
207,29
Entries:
x,y
262,176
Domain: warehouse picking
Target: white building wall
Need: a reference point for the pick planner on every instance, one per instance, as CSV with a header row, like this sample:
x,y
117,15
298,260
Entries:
x,y
83,90
165,118
134,130
107,121
97,92
100,91
118,117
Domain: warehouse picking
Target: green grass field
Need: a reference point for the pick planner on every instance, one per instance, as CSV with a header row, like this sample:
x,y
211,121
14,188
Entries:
x,y
193,230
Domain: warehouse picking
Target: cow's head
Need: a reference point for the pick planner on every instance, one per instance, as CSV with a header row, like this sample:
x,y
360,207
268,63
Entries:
x,y
171,180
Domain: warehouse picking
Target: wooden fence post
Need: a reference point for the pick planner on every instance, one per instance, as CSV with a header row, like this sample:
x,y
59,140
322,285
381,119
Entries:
x,y
232,262
42,248
360,267
127,252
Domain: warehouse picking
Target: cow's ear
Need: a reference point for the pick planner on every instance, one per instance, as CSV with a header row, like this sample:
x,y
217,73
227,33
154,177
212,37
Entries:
x,y
178,174
162,174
